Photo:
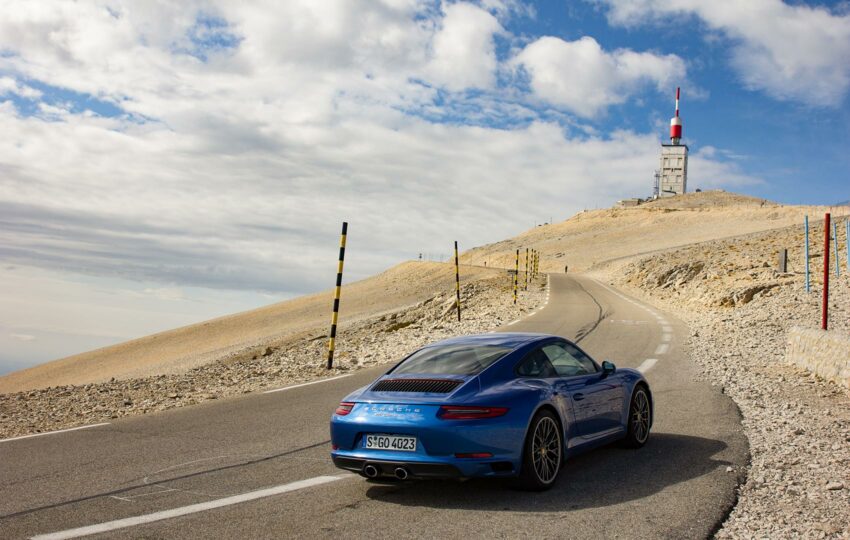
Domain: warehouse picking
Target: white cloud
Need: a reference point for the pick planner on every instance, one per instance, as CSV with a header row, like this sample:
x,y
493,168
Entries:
x,y
707,171
242,160
791,52
507,8
582,77
463,48
9,85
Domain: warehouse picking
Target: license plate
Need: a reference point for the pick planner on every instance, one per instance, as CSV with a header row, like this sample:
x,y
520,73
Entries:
x,y
390,442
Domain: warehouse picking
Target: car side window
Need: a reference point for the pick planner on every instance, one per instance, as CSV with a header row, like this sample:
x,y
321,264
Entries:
x,y
535,364
568,361
585,360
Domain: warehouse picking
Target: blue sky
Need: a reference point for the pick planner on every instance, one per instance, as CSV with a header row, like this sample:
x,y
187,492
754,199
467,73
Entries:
x,y
165,164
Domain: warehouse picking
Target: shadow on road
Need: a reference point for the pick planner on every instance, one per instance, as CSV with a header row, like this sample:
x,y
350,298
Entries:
x,y
603,477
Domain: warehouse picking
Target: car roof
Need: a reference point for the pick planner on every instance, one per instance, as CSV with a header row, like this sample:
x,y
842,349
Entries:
x,y
513,340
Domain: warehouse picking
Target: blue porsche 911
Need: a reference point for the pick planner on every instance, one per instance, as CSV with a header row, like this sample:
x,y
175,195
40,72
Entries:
x,y
492,405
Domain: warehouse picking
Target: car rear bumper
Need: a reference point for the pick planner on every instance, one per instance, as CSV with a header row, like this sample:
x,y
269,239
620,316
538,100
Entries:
x,y
387,468
430,468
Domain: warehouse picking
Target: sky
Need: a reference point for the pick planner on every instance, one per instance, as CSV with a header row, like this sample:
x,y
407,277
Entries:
x,y
163,163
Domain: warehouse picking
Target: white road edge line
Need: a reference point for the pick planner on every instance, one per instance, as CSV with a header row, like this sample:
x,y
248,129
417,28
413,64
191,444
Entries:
x,y
662,349
647,364
191,509
53,432
308,383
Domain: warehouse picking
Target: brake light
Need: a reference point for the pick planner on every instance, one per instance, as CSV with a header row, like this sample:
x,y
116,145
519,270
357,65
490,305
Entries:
x,y
344,408
454,412
475,455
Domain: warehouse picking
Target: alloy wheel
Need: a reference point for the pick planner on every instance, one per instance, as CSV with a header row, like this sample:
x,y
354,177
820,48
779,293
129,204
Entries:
x,y
546,450
640,416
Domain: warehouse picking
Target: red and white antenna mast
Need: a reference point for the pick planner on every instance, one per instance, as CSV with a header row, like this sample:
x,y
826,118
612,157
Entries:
x,y
676,123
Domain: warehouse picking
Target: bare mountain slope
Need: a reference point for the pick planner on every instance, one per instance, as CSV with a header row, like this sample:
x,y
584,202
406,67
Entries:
x,y
183,348
585,240
596,236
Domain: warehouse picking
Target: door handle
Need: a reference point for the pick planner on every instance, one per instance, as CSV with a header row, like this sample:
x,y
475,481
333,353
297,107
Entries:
x,y
578,397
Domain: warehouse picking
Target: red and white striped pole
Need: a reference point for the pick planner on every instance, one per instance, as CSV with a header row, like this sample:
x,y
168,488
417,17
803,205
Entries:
x,y
676,123
677,100
826,234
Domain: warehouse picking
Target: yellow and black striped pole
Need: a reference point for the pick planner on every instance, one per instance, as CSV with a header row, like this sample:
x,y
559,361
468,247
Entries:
x,y
338,289
457,282
533,255
526,269
516,274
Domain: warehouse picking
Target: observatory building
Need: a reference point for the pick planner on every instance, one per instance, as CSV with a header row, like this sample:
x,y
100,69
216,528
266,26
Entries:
x,y
672,177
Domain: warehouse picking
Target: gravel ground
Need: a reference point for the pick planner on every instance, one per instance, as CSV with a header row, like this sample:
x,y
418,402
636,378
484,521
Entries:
x,y
739,310
486,304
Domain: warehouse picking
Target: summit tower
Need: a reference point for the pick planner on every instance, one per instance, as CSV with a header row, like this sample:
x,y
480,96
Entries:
x,y
673,173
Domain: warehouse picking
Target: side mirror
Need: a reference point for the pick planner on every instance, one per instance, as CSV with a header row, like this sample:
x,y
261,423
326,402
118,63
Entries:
x,y
608,368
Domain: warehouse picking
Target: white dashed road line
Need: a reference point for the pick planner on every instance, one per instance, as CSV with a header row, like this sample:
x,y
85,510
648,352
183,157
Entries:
x,y
647,364
662,349
53,432
191,509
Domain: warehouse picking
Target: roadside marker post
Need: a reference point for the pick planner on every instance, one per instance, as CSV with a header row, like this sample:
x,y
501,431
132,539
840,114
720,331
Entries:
x,y
825,312
782,266
337,291
526,270
808,286
835,239
457,282
516,274
533,263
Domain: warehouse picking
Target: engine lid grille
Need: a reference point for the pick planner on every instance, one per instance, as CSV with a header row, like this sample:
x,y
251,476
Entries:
x,y
433,386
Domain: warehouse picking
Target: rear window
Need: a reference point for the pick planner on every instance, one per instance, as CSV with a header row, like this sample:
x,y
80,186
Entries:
x,y
452,359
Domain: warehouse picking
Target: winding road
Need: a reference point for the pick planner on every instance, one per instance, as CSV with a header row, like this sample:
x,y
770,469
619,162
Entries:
x,y
257,466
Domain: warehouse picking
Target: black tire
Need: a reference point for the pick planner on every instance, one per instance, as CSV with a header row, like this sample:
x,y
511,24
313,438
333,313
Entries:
x,y
543,453
639,421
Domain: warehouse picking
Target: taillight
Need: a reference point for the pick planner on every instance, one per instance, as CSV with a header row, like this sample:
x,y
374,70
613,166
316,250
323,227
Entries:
x,y
455,412
344,408
475,455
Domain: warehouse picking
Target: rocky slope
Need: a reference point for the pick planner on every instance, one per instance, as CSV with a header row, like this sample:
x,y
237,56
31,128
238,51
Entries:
x,y
739,309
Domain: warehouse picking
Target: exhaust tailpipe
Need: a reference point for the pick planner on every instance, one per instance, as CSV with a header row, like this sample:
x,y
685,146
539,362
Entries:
x,y
401,473
370,471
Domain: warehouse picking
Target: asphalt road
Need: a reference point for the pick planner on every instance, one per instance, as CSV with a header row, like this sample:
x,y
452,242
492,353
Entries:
x,y
257,466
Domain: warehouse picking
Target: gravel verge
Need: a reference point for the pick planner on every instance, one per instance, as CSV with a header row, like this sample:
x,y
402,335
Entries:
x,y
486,304
739,310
